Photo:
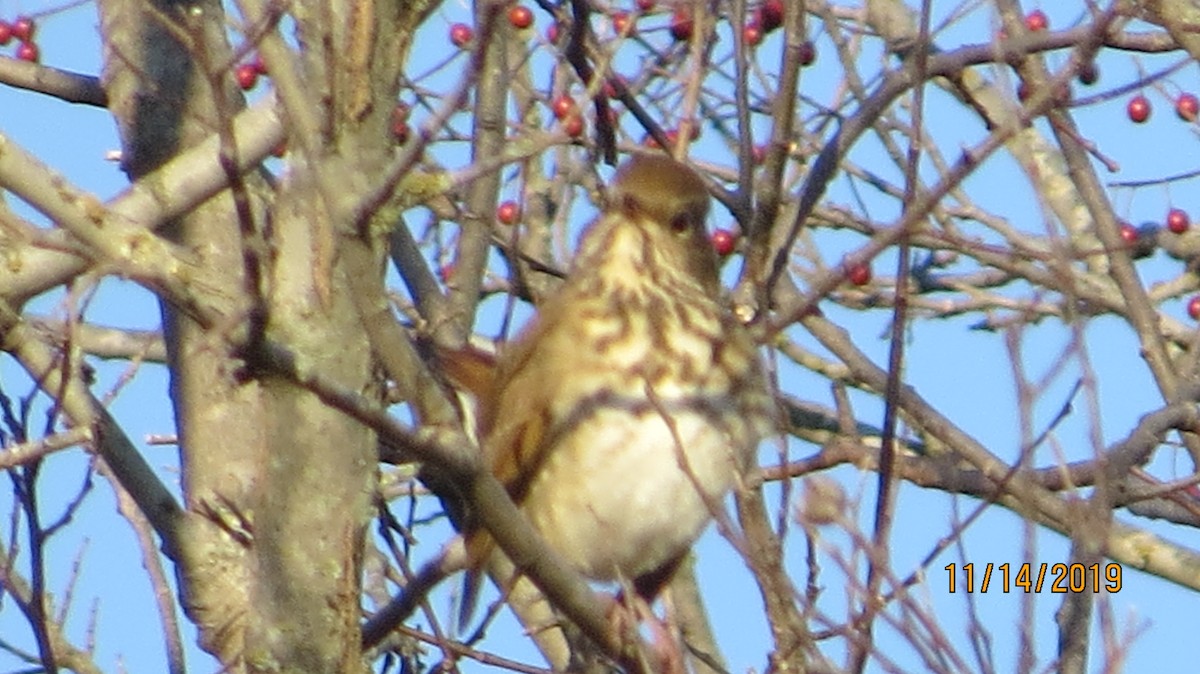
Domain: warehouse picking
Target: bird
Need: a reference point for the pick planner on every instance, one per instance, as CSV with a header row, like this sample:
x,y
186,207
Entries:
x,y
633,401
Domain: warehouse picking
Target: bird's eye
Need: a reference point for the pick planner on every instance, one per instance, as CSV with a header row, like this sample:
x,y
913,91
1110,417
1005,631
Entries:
x,y
629,204
681,223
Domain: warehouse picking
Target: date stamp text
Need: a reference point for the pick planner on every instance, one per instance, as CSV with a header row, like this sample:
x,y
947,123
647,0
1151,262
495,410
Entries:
x,y
1026,577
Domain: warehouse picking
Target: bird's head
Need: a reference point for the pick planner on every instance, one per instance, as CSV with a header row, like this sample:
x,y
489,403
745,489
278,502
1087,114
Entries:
x,y
656,211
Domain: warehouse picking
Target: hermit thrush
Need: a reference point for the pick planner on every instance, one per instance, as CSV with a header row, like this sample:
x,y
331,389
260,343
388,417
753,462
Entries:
x,y
624,412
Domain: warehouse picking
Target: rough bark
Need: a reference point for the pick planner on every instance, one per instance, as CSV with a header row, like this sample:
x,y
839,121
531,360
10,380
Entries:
x,y
277,485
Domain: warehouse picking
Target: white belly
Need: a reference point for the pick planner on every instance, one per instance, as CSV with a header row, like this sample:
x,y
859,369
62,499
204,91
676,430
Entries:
x,y
616,498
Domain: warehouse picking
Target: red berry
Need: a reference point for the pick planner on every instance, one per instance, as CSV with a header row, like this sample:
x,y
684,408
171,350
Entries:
x,y
682,24
645,5
400,128
247,76
573,125
280,149
520,16
1177,220
807,53
723,241
770,15
552,33
461,35
1194,307
1036,21
758,154
752,33
508,213
1129,233
858,273
446,271
623,23
23,28
1187,106
1138,108
1088,73
563,106
28,51
259,66
6,32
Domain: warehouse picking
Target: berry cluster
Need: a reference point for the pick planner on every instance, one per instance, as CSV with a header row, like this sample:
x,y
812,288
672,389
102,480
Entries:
x,y
22,29
1138,109
1141,242
568,114
1187,107
766,17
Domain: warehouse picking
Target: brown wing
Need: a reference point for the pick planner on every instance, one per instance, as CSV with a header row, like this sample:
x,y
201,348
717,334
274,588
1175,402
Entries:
x,y
507,388
513,423
469,368
516,419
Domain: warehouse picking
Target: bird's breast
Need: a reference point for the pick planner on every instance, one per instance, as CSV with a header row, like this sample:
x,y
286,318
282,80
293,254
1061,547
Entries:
x,y
630,487
647,425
